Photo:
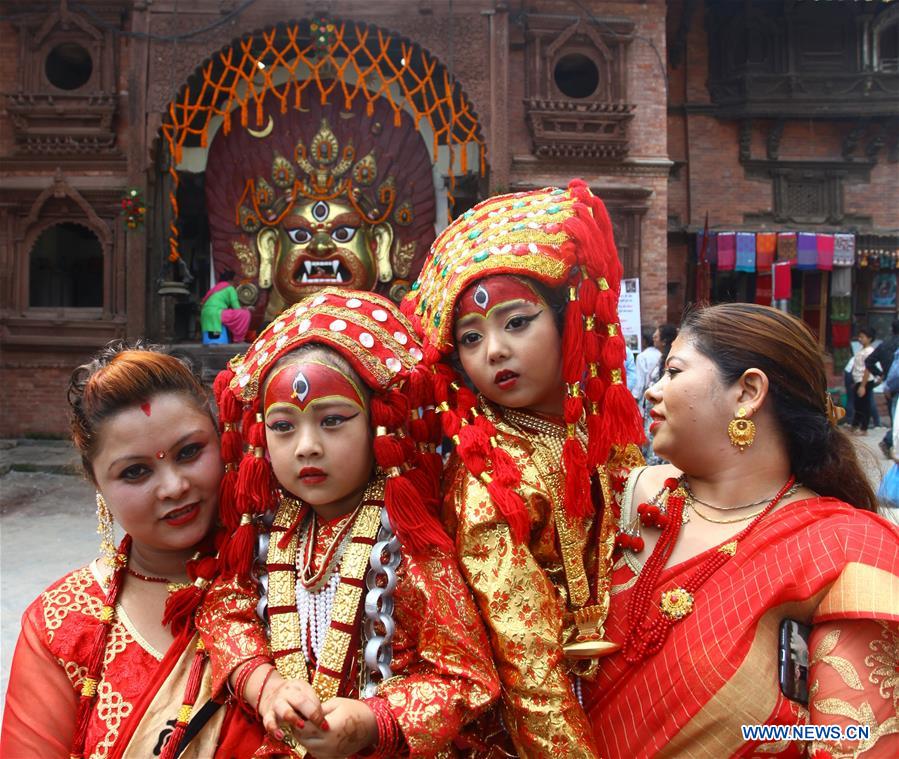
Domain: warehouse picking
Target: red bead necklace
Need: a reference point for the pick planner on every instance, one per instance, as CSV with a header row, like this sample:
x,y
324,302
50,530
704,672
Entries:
x,y
646,636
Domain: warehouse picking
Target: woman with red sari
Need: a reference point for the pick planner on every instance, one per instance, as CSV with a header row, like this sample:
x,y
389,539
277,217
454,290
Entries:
x,y
764,515
108,663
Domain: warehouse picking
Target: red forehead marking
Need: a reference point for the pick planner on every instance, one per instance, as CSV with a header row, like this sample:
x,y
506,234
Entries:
x,y
303,384
145,407
488,293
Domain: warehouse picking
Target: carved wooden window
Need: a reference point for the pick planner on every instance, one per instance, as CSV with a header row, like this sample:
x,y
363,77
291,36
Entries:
x,y
65,268
887,48
576,87
65,100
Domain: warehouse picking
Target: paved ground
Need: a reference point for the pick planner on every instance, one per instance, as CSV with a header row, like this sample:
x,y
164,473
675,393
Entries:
x,y
47,524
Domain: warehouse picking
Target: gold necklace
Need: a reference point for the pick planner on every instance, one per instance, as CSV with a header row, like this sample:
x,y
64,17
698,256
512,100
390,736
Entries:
x,y
691,503
692,500
766,499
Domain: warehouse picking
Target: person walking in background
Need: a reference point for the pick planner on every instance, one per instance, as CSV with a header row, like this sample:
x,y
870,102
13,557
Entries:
x,y
662,339
220,307
879,363
647,360
888,492
863,381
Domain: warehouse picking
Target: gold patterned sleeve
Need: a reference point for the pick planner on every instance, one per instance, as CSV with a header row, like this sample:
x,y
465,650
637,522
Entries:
x,y
449,677
231,631
524,615
854,680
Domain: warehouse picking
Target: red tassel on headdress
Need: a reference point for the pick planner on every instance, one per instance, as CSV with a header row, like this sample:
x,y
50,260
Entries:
x,y
502,489
626,424
417,528
474,448
232,450
181,605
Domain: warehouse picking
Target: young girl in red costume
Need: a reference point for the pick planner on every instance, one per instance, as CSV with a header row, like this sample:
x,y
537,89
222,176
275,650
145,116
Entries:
x,y
536,452
108,663
370,642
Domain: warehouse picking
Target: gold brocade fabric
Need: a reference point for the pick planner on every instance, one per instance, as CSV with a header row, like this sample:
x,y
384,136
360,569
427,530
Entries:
x,y
443,674
527,593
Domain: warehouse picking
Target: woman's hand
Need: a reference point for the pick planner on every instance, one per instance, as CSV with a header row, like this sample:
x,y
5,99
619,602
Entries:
x,y
861,391
351,728
288,704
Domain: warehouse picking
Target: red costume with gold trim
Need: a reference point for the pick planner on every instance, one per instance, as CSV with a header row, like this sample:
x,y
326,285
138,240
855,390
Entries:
x,y
442,676
138,694
525,494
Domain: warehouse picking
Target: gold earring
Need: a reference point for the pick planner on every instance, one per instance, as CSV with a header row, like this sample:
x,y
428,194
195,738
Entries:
x,y
741,430
105,529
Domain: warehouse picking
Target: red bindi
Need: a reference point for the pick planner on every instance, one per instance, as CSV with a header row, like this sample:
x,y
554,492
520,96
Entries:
x,y
145,407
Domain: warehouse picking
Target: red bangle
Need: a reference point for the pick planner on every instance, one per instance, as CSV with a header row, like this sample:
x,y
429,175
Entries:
x,y
240,684
262,688
390,736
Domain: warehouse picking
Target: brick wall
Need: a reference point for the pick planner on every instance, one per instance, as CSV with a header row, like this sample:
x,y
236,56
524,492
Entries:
x,y
33,401
714,179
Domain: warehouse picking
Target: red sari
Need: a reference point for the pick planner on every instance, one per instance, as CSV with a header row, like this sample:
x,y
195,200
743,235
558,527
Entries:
x,y
139,693
818,561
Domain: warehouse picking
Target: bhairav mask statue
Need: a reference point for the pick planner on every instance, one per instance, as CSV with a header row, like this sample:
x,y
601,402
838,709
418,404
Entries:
x,y
342,198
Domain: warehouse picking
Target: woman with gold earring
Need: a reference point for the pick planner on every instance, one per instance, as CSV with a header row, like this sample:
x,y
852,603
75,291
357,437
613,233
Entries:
x,y
108,663
762,523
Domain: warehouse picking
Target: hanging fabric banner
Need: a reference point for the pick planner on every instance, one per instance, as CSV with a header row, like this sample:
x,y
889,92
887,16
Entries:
x,y
840,284
711,248
843,250
786,246
763,289
807,251
782,273
825,252
840,334
727,251
765,248
745,251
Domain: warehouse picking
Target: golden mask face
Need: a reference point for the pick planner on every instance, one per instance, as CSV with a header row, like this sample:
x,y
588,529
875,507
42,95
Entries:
x,y
322,243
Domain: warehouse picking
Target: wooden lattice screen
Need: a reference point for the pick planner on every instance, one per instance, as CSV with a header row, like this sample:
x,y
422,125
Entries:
x,y
320,57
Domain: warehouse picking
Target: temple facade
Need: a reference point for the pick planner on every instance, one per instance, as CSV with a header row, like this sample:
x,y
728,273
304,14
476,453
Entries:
x,y
146,148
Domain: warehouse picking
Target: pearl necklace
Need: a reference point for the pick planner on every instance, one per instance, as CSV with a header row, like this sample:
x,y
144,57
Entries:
x,y
314,610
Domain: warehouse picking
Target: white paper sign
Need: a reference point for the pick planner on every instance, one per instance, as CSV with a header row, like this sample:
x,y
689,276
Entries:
x,y
629,314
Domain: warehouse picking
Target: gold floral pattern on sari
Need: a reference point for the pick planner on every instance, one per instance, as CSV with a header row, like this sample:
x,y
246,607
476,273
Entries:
x,y
838,693
884,663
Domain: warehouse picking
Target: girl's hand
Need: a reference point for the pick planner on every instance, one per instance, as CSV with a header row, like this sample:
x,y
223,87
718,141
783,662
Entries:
x,y
288,704
351,728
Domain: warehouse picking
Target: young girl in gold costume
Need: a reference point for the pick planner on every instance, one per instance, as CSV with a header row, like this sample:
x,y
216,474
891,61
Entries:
x,y
368,640
539,450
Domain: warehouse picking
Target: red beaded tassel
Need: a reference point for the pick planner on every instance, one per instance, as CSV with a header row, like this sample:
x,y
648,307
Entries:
x,y
181,605
194,679
574,458
474,436
95,661
411,516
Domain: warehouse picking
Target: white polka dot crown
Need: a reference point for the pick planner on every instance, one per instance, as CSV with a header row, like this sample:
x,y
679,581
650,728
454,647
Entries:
x,y
363,327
